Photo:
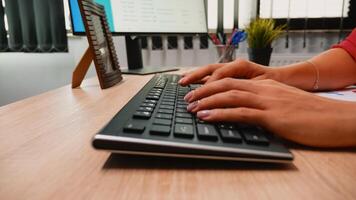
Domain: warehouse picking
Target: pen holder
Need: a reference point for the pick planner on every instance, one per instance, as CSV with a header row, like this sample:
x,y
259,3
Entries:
x,y
226,53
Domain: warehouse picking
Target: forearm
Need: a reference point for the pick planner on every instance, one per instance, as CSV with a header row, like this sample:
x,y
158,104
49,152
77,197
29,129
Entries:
x,y
339,128
336,69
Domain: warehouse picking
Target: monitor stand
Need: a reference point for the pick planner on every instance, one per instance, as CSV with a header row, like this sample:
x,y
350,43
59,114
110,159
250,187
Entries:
x,y
134,59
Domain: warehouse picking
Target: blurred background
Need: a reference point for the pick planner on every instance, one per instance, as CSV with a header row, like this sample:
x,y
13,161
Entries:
x,y
38,50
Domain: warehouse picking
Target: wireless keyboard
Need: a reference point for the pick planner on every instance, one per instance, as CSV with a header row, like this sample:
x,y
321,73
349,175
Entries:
x,y
155,122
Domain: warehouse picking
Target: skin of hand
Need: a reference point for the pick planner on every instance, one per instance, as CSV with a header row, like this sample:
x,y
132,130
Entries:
x,y
286,111
240,68
337,69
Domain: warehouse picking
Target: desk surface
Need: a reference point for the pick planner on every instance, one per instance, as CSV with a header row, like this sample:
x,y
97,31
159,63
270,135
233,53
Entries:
x,y
46,153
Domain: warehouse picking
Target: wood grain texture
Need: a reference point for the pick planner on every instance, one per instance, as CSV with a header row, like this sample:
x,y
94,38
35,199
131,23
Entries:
x,y
46,153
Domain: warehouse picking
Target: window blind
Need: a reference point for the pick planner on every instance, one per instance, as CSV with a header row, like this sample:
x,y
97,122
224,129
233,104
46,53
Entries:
x,y
34,25
3,33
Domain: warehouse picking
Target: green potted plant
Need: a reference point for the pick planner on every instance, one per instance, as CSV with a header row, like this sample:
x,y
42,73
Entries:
x,y
260,35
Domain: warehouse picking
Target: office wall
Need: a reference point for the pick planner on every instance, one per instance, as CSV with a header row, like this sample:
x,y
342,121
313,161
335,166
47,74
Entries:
x,y
26,74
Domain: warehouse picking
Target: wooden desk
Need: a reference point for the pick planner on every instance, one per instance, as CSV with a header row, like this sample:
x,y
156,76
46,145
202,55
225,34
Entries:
x,y
46,153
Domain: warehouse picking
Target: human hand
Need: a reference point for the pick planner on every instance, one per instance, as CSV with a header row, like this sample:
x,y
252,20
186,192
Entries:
x,y
240,68
289,112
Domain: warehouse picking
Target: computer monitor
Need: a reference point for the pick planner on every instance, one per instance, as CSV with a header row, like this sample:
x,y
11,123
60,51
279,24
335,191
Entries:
x,y
142,17
146,17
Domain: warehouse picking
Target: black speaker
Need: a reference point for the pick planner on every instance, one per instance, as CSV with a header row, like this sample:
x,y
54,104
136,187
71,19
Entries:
x,y
172,42
157,43
134,53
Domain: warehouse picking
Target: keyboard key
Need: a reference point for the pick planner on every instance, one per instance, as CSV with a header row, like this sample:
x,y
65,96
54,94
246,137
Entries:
x,y
181,110
152,105
163,122
160,85
169,103
165,111
207,132
199,121
226,126
150,101
182,102
230,135
169,97
149,97
184,120
184,115
142,115
244,126
134,127
147,109
156,90
168,100
172,96
182,106
255,136
183,92
154,94
164,116
183,130
166,107
160,130
170,93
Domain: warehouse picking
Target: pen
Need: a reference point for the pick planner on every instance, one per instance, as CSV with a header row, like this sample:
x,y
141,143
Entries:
x,y
240,36
229,40
221,38
214,39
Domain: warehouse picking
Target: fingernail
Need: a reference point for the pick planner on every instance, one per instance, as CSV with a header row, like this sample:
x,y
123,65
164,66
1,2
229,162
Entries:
x,y
182,80
203,113
191,106
188,96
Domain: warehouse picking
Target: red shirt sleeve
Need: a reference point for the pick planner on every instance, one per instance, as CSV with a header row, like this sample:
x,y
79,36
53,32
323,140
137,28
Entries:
x,y
349,44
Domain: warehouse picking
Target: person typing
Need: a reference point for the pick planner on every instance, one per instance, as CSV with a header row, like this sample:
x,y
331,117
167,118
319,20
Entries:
x,y
279,99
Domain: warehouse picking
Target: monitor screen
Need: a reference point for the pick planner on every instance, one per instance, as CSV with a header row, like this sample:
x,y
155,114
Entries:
x,y
148,16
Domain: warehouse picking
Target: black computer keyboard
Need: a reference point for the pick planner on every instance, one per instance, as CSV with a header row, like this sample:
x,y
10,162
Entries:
x,y
156,122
